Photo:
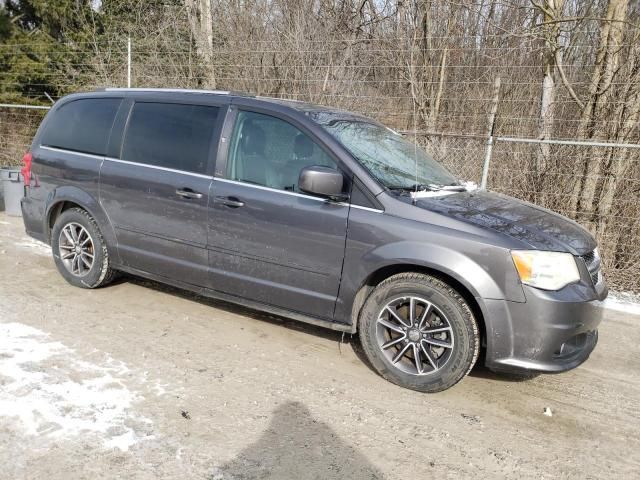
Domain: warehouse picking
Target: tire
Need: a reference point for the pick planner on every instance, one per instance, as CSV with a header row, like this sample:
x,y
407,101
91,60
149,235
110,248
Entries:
x,y
444,333
79,269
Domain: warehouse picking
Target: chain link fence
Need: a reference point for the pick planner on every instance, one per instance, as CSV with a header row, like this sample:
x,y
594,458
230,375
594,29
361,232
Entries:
x,y
17,127
596,184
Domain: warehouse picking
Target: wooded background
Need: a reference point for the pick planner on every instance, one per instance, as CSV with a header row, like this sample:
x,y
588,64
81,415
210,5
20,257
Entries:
x,y
569,69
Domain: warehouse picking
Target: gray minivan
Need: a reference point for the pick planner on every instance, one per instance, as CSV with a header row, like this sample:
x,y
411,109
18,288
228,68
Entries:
x,y
315,214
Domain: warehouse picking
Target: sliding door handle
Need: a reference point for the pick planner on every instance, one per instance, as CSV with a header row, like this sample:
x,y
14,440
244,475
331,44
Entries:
x,y
230,202
188,193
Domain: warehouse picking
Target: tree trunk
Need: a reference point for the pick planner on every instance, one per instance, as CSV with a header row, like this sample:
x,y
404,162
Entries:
x,y
606,66
201,22
551,12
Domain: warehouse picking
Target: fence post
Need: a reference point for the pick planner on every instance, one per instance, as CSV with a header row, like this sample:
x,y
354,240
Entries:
x,y
128,62
489,145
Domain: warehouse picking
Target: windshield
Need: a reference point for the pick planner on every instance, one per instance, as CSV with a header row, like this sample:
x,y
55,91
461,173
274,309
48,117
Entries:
x,y
395,162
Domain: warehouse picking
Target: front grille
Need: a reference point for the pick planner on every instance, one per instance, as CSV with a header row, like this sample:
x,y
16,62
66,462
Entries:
x,y
592,262
589,257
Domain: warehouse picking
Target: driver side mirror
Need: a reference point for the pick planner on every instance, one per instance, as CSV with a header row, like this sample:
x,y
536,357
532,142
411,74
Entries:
x,y
323,182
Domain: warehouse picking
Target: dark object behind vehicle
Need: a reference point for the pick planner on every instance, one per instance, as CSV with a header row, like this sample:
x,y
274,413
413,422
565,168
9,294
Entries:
x,y
11,191
318,215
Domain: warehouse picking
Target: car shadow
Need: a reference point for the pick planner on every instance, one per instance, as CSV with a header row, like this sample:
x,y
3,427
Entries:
x,y
480,371
236,309
344,340
298,446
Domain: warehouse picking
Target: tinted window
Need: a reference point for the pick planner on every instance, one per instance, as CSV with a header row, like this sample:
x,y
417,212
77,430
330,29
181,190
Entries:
x,y
82,125
268,151
170,135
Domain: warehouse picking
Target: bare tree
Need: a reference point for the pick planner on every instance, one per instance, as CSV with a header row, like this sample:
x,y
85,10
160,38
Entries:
x,y
592,188
201,21
551,11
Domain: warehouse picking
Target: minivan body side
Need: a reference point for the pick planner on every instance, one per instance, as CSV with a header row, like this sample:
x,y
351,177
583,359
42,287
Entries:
x,y
158,208
276,246
65,173
438,249
279,248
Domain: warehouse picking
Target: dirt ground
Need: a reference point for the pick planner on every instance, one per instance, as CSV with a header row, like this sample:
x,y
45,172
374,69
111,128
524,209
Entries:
x,y
142,381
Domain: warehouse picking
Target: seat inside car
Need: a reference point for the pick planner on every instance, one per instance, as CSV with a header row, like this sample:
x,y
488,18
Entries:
x,y
251,155
302,157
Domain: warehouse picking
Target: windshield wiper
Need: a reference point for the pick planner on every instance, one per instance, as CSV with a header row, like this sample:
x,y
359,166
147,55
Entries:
x,y
411,188
449,188
431,187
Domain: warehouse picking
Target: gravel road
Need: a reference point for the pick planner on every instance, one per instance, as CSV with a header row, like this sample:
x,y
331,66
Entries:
x,y
142,381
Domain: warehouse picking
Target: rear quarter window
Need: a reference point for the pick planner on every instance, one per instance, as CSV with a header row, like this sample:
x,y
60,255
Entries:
x,y
170,135
82,125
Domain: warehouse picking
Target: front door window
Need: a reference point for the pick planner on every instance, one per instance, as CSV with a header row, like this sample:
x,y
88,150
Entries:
x,y
268,151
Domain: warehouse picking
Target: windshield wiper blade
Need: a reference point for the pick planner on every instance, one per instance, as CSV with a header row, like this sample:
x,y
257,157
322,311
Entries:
x,y
413,188
449,188
431,187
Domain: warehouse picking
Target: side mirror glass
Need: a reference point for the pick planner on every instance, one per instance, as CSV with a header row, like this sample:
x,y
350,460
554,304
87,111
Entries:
x,y
322,181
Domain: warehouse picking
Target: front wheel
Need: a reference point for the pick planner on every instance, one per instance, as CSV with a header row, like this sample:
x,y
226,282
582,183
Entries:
x,y
419,333
79,250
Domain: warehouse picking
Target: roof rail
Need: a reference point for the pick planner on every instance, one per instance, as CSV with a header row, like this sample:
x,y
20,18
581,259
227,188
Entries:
x,y
174,90
264,97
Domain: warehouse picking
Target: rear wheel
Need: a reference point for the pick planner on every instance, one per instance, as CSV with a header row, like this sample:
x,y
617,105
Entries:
x,y
79,250
419,333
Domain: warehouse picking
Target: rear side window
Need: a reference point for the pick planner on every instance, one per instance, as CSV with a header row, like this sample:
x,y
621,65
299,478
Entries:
x,y
170,135
82,125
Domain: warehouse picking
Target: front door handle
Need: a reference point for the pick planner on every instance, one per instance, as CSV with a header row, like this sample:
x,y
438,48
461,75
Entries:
x,y
230,202
188,193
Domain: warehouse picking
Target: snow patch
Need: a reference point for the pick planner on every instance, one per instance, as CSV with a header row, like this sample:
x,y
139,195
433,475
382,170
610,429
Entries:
x,y
623,302
159,389
54,393
35,246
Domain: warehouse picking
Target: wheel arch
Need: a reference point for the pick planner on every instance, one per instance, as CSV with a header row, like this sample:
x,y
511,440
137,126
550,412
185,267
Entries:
x,y
64,198
381,274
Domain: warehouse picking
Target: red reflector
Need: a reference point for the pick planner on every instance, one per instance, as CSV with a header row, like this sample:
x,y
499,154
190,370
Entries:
x,y
26,168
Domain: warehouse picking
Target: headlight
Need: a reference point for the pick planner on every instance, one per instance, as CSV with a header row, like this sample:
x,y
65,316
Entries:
x,y
545,270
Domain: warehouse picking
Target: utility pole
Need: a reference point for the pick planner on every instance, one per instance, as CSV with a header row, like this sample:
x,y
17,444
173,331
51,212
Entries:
x,y
128,62
492,123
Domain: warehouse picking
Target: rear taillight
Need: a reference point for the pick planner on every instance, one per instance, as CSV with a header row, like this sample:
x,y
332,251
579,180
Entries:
x,y
26,168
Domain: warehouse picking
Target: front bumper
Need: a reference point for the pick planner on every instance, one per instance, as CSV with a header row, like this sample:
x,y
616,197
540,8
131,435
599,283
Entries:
x,y
551,332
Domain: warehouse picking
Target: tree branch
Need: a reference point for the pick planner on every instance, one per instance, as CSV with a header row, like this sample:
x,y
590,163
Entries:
x,y
543,9
565,82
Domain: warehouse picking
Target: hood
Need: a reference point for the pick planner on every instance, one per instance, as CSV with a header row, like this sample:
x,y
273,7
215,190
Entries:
x,y
537,227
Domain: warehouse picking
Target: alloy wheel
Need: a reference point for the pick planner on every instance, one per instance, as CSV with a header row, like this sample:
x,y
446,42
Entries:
x,y
76,249
414,335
